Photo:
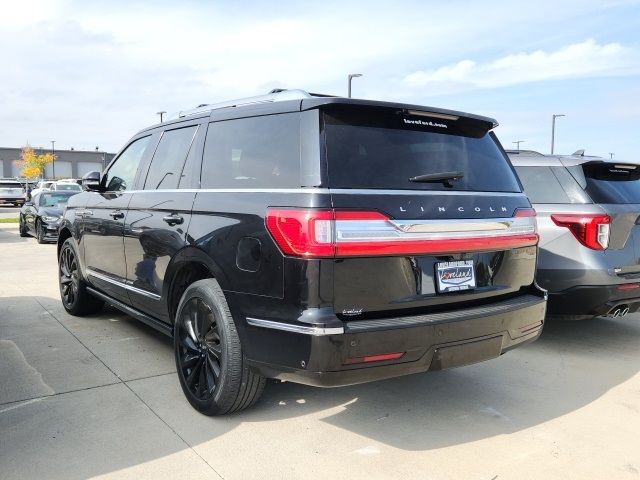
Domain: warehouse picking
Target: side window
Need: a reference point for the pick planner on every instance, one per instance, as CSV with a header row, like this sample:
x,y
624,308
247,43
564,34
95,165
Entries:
x,y
571,186
121,174
168,160
542,186
256,152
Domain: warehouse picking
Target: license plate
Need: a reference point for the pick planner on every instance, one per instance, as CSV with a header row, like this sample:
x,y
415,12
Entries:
x,y
455,276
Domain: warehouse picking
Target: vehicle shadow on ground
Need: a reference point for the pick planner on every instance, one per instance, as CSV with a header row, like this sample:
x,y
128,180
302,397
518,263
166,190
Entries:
x,y
570,366
9,234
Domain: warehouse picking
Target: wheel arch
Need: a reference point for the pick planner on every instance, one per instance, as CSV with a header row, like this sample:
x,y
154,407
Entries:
x,y
62,237
186,267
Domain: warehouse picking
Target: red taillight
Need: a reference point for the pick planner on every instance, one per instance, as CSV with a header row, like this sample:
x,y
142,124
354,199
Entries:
x,y
524,212
317,233
302,232
374,358
591,230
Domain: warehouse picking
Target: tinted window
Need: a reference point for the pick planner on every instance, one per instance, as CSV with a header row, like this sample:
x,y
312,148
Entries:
x,y
257,152
612,183
168,160
69,186
121,174
384,149
550,185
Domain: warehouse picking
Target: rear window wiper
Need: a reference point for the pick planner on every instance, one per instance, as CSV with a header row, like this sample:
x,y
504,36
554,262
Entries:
x,y
444,177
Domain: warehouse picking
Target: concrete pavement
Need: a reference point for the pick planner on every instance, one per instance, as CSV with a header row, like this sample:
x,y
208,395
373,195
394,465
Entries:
x,y
9,211
98,397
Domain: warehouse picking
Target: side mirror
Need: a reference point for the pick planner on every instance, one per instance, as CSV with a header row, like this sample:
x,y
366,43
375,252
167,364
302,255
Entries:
x,y
91,181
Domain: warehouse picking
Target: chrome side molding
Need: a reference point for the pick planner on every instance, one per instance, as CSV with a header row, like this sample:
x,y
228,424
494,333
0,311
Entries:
x,y
287,327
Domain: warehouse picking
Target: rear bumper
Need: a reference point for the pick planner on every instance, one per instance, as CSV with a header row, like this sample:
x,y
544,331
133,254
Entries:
x,y
11,200
593,300
427,342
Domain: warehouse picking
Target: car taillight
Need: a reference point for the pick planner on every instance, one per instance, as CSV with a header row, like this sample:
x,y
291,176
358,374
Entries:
x,y
326,233
591,230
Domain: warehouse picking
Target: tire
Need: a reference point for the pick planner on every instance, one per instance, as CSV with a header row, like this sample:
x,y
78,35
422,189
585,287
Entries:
x,y
22,228
75,298
211,368
39,232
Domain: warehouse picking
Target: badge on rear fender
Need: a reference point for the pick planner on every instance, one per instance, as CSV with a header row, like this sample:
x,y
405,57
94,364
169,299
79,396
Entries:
x,y
455,276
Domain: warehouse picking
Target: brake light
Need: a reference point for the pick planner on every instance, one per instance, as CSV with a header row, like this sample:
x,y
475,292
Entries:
x,y
328,233
591,230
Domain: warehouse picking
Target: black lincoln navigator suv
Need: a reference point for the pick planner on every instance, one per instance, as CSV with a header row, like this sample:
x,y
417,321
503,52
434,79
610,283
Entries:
x,y
322,240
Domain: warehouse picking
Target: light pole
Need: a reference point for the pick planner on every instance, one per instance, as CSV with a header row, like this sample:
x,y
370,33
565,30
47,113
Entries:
x,y
518,142
351,77
611,155
553,129
53,163
161,114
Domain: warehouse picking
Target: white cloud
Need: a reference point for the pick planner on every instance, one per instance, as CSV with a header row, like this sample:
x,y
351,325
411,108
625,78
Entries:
x,y
89,73
579,60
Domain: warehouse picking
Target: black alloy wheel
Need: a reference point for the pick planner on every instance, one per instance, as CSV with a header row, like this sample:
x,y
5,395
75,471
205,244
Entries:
x,y
200,354
73,290
69,281
212,370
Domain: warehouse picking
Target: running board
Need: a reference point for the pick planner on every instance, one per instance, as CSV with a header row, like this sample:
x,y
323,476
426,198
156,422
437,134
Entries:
x,y
138,315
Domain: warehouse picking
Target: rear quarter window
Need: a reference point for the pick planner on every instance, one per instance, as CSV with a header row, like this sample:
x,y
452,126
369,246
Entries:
x,y
255,152
544,184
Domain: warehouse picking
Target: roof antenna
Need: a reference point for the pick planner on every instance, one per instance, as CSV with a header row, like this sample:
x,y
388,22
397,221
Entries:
x,y
578,153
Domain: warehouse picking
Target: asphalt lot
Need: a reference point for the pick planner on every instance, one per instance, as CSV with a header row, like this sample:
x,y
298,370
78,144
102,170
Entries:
x,y
98,397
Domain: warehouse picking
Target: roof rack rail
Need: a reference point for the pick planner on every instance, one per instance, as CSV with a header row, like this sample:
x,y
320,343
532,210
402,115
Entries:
x,y
524,153
275,95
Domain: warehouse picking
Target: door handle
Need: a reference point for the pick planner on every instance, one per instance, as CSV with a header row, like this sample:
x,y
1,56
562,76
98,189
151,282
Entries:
x,y
173,219
117,215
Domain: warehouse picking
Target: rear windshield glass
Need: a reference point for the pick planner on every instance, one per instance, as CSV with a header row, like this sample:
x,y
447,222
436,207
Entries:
x,y
612,183
10,185
384,149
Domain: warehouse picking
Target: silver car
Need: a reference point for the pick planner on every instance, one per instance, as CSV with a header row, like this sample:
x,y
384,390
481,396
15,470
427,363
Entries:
x,y
589,221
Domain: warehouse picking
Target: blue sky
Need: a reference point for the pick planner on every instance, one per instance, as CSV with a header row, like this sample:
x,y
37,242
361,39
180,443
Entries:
x,y
91,75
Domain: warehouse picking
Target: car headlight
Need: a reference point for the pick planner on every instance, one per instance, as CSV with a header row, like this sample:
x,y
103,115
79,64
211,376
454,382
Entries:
x,y
50,219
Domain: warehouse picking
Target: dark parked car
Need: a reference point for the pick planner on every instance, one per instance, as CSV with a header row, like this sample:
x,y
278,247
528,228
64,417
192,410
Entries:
x,y
323,240
40,217
588,216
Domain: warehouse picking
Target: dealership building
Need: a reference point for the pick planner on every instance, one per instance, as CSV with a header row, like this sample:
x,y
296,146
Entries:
x,y
68,163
